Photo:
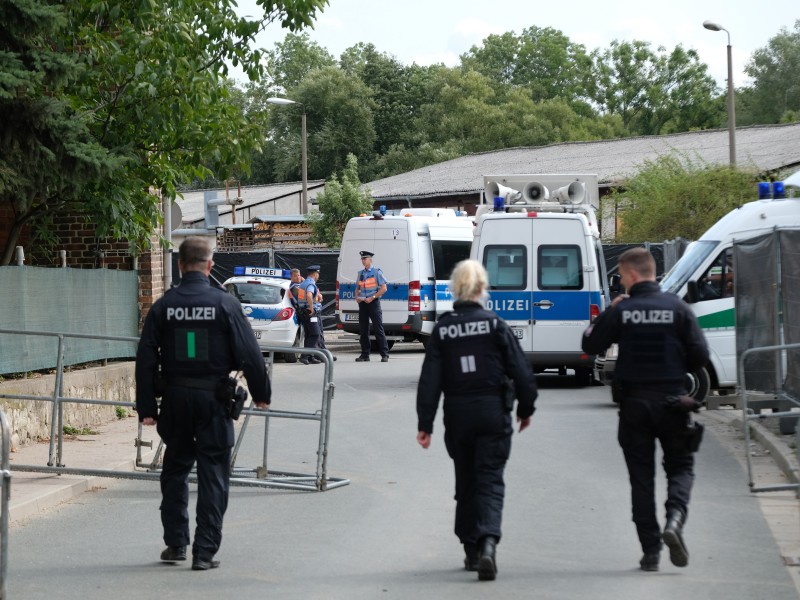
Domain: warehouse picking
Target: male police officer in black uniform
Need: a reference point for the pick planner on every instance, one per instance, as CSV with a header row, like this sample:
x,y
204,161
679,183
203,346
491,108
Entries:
x,y
659,342
470,356
195,335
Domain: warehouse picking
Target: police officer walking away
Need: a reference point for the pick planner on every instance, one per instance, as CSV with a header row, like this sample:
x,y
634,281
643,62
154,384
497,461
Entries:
x,y
192,339
370,286
659,342
306,311
470,357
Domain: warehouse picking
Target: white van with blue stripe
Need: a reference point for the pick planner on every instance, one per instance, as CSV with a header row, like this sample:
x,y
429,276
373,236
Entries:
x,y
416,250
539,241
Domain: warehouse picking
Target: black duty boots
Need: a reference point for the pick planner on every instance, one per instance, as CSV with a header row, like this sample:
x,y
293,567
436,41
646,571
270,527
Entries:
x,y
173,553
649,561
471,557
673,538
487,565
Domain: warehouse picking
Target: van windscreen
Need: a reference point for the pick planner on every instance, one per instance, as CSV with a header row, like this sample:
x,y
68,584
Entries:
x,y
447,254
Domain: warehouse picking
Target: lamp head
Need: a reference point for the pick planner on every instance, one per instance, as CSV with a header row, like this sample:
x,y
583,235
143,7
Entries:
x,y
711,26
281,101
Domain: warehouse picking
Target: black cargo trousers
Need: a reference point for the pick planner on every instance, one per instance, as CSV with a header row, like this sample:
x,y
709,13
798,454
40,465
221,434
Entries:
x,y
644,417
478,439
195,428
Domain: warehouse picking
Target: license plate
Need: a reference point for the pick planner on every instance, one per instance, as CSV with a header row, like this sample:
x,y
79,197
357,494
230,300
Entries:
x,y
258,334
351,317
518,333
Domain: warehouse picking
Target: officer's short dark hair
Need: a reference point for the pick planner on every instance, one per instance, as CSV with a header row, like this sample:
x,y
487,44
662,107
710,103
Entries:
x,y
194,250
639,260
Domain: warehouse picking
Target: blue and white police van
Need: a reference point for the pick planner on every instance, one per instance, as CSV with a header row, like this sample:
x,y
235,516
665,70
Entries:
x,y
539,240
416,250
263,294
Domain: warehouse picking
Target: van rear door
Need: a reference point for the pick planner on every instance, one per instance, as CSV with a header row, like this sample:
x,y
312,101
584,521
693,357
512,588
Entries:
x,y
564,285
393,259
505,251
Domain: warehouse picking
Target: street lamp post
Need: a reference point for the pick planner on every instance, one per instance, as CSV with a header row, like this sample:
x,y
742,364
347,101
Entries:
x,y
304,143
711,26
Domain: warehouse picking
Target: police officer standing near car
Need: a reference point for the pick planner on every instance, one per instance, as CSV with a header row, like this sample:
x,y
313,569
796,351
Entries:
x,y
296,279
471,357
306,298
192,339
659,343
370,286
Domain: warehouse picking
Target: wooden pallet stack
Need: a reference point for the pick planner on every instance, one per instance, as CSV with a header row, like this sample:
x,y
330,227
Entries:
x,y
276,236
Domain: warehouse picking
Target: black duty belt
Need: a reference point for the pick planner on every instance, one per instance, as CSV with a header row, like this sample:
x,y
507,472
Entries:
x,y
195,383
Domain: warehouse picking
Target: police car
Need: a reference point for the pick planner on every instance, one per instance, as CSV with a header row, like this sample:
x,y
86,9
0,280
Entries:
x,y
266,304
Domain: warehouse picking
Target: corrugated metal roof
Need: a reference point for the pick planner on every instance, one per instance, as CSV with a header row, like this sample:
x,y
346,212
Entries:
x,y
764,148
193,204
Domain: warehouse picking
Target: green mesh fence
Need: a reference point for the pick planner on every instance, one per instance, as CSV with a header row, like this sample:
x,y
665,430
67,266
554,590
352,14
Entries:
x,y
93,302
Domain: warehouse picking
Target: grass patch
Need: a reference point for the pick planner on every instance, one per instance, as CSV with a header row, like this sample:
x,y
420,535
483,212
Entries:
x,y
69,430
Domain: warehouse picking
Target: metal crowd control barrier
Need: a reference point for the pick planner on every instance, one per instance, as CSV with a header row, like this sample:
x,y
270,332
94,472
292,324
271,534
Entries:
x,y
6,495
259,476
748,415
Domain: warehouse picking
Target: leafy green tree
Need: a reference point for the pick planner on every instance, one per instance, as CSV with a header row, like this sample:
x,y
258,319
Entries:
x,y
291,61
774,95
654,91
341,201
115,99
674,196
394,90
543,60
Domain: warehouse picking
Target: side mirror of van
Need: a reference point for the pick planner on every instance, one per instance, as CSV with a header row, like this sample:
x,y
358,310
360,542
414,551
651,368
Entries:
x,y
692,295
614,285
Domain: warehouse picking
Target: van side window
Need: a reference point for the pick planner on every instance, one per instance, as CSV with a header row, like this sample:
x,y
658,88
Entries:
x,y
447,254
507,266
560,267
717,281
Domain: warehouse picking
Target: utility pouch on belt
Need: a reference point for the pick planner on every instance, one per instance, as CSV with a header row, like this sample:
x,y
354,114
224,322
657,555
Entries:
x,y
687,441
232,396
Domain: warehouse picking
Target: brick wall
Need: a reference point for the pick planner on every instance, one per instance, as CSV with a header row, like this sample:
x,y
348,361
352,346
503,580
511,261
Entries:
x,y
86,251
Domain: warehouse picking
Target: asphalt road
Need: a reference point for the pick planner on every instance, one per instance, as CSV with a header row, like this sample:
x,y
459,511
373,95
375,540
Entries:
x,y
567,529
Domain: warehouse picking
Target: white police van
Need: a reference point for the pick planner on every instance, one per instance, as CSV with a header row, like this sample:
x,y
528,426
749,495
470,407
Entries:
x,y
263,294
416,250
540,244
704,278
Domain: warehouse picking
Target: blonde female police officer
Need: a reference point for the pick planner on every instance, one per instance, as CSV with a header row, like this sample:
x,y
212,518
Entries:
x,y
470,356
370,286
195,336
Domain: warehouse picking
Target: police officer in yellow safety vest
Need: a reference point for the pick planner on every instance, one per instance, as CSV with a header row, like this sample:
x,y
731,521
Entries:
x,y
307,314
370,286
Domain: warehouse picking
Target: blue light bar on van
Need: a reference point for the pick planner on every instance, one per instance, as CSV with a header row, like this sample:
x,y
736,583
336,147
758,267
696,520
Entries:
x,y
263,272
778,190
499,205
382,209
763,190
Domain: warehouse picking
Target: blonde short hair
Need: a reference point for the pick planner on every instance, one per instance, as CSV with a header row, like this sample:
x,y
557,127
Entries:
x,y
468,280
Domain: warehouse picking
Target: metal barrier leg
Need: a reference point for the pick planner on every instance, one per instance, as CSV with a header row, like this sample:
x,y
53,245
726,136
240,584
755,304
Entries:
x,y
6,496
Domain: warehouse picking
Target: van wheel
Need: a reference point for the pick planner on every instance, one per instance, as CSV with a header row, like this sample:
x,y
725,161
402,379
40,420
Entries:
x,y
698,383
291,357
584,376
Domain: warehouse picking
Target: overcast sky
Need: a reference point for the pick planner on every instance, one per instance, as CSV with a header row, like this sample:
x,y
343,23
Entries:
x,y
438,31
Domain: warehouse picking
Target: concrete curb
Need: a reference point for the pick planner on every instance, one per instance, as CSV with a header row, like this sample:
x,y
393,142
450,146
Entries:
x,y
785,457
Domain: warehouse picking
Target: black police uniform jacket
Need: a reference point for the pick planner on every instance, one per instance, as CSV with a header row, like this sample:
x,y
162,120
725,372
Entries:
x,y
197,330
471,353
658,336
